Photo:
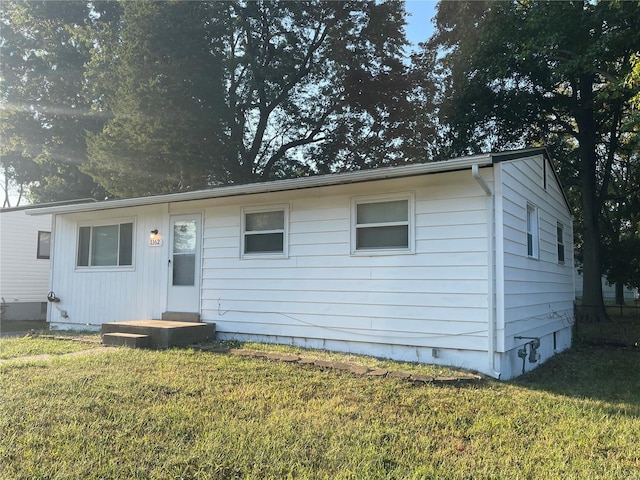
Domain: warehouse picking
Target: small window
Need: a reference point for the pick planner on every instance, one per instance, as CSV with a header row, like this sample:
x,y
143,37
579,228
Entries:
x,y
532,231
560,237
382,225
105,245
265,232
44,245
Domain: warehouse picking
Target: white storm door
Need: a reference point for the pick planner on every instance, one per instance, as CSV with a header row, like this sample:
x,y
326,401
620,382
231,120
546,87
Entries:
x,y
184,264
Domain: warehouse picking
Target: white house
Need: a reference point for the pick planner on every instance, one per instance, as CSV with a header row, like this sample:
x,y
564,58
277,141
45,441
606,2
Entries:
x,y
467,262
608,289
24,264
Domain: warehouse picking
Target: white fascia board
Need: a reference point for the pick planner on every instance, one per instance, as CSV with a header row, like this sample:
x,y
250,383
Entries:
x,y
276,185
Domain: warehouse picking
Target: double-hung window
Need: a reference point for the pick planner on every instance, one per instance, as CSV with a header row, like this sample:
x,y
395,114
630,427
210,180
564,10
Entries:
x,y
264,231
560,240
382,225
105,245
532,231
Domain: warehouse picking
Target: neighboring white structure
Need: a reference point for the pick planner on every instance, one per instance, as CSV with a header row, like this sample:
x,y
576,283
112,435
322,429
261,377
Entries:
x,y
466,262
608,290
24,264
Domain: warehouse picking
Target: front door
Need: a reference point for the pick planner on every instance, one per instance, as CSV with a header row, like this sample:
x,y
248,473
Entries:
x,y
184,264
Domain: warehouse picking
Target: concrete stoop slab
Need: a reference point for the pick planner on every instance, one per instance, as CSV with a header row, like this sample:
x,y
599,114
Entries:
x,y
161,333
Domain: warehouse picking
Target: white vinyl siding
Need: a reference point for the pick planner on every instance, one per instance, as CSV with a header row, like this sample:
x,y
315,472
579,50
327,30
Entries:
x,y
92,296
23,276
435,298
537,295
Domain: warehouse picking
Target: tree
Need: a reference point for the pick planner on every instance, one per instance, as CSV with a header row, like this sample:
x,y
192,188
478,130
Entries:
x,y
621,216
207,93
44,115
523,71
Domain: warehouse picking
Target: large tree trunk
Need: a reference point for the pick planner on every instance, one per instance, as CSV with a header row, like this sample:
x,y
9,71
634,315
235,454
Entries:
x,y
619,293
592,301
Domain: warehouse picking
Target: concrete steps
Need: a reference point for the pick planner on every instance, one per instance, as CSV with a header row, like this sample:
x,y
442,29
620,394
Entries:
x,y
181,317
121,339
156,333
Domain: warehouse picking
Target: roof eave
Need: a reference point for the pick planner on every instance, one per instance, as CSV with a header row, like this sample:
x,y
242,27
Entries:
x,y
277,185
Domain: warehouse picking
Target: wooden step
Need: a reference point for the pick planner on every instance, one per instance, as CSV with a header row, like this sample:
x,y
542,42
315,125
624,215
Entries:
x,y
122,339
181,317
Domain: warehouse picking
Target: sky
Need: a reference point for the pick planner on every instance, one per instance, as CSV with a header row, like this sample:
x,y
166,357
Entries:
x,y
419,26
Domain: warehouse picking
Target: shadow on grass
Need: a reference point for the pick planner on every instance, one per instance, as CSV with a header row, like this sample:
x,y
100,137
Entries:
x,y
603,365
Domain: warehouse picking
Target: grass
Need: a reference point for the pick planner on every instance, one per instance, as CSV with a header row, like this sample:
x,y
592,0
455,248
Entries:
x,y
25,346
197,415
629,311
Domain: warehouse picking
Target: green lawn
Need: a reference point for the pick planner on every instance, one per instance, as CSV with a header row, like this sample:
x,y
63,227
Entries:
x,y
190,414
25,346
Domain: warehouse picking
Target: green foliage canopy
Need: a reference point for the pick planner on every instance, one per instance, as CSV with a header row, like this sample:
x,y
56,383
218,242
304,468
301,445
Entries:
x,y
44,115
208,93
524,72
136,98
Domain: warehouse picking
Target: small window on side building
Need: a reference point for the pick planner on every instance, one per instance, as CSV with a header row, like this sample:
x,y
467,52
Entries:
x,y
44,245
532,232
560,238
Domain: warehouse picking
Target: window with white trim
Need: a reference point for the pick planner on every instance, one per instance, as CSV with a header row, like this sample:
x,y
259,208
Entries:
x,y
44,245
560,240
264,231
382,224
105,245
532,231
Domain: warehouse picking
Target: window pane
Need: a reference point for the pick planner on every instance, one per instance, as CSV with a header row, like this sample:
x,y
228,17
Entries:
x,y
383,212
104,248
184,236
84,239
184,267
532,220
560,236
264,243
44,245
529,244
264,221
126,242
382,237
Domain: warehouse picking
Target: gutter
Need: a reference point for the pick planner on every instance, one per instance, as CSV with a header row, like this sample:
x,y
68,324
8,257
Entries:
x,y
491,316
332,179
